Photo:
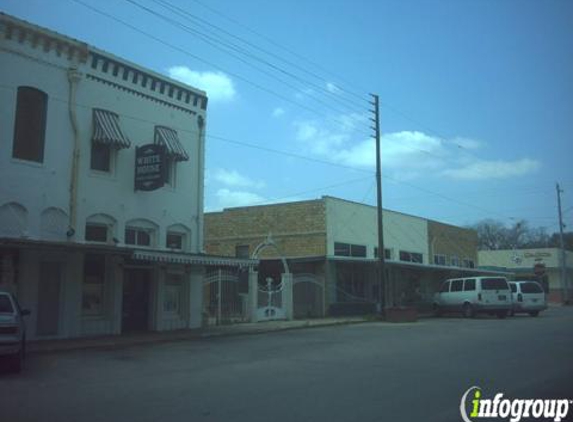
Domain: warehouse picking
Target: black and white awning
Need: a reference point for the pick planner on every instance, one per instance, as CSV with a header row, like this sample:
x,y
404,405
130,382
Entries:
x,y
107,130
168,137
191,259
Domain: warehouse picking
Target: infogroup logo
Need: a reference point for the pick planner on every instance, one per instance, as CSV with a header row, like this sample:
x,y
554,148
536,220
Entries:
x,y
514,409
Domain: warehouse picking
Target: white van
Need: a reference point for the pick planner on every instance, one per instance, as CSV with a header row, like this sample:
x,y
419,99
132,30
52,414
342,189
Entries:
x,y
474,295
528,297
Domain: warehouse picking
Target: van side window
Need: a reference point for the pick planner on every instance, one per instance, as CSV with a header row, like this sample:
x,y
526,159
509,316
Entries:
x,y
445,287
470,284
457,285
513,287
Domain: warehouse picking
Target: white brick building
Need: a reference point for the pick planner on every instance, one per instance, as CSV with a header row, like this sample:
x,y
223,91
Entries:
x,y
84,250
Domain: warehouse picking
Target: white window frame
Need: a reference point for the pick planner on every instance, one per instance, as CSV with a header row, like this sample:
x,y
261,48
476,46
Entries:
x,y
183,240
146,226
102,220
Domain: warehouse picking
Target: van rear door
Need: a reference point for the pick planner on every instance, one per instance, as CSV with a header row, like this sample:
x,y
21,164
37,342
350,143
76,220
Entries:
x,y
495,291
532,294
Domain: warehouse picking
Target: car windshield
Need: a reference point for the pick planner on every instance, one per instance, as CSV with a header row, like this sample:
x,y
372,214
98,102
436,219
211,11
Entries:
x,y
494,284
531,288
6,305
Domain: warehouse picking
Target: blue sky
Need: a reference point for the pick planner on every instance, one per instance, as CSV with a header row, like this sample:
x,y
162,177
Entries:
x,y
476,97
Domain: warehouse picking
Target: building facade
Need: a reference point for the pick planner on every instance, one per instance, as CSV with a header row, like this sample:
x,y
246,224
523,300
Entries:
x,y
84,249
543,265
334,243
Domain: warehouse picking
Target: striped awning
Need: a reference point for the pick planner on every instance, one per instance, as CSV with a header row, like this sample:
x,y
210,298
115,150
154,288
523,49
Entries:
x,y
190,259
107,130
168,137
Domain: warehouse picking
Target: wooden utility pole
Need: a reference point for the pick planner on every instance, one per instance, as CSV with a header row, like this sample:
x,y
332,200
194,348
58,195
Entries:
x,y
564,286
383,291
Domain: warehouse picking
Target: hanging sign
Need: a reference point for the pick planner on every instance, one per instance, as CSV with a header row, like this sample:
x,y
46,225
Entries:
x,y
150,166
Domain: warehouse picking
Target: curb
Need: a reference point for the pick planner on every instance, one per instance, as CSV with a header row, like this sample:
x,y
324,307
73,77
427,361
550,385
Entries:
x,y
189,335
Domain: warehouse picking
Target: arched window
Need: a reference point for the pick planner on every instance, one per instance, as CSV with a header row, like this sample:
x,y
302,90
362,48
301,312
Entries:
x,y
141,232
53,224
178,237
30,124
99,228
13,220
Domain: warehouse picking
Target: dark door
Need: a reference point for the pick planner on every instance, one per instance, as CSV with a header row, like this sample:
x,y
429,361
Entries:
x,y
135,310
48,317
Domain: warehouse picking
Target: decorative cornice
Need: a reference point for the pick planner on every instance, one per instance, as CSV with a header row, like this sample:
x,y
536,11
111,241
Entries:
x,y
21,32
125,73
139,94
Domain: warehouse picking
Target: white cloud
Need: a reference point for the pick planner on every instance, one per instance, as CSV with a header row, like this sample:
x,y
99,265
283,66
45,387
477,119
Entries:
x,y
219,86
405,154
301,95
235,179
466,143
228,199
482,170
332,88
278,112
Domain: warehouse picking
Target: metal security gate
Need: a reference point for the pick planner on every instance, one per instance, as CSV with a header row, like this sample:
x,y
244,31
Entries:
x,y
270,300
226,296
308,296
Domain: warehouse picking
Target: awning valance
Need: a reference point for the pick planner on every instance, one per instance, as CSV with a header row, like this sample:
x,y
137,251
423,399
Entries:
x,y
189,259
107,130
168,137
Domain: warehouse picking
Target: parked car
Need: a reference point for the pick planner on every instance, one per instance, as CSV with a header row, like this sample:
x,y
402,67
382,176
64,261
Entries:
x,y
474,295
528,297
12,331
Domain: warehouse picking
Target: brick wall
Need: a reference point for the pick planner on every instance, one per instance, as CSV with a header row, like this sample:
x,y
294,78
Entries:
x,y
452,240
298,229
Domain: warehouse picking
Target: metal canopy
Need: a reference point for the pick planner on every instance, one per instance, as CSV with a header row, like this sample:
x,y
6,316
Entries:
x,y
168,137
189,259
107,130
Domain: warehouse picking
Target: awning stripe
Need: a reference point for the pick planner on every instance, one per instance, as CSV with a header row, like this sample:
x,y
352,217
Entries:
x,y
107,130
168,137
188,259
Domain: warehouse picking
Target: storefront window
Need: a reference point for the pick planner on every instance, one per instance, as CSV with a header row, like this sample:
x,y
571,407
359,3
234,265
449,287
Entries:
x,y
93,287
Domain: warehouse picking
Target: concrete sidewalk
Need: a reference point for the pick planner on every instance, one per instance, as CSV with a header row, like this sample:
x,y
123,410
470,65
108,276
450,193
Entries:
x,y
135,339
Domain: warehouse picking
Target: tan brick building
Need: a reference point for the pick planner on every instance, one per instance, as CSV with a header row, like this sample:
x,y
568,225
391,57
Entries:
x,y
298,228
335,242
452,246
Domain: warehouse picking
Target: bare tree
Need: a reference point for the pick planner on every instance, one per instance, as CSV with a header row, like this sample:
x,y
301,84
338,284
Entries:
x,y
493,235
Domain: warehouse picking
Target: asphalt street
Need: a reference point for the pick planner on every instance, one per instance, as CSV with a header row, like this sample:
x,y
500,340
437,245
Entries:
x,y
361,372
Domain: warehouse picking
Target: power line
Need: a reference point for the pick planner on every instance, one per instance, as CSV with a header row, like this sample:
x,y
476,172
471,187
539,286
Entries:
x,y
258,86
203,22
306,192
287,154
226,46
383,103
282,47
181,50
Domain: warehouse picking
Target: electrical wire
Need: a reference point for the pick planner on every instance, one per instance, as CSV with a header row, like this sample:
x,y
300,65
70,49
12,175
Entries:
x,y
231,49
196,57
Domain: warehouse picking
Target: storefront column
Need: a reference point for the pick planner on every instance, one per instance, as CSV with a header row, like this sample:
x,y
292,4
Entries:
x,y
330,295
253,301
286,280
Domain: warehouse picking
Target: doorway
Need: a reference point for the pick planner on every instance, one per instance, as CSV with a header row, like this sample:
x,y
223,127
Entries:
x,y
49,285
135,302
